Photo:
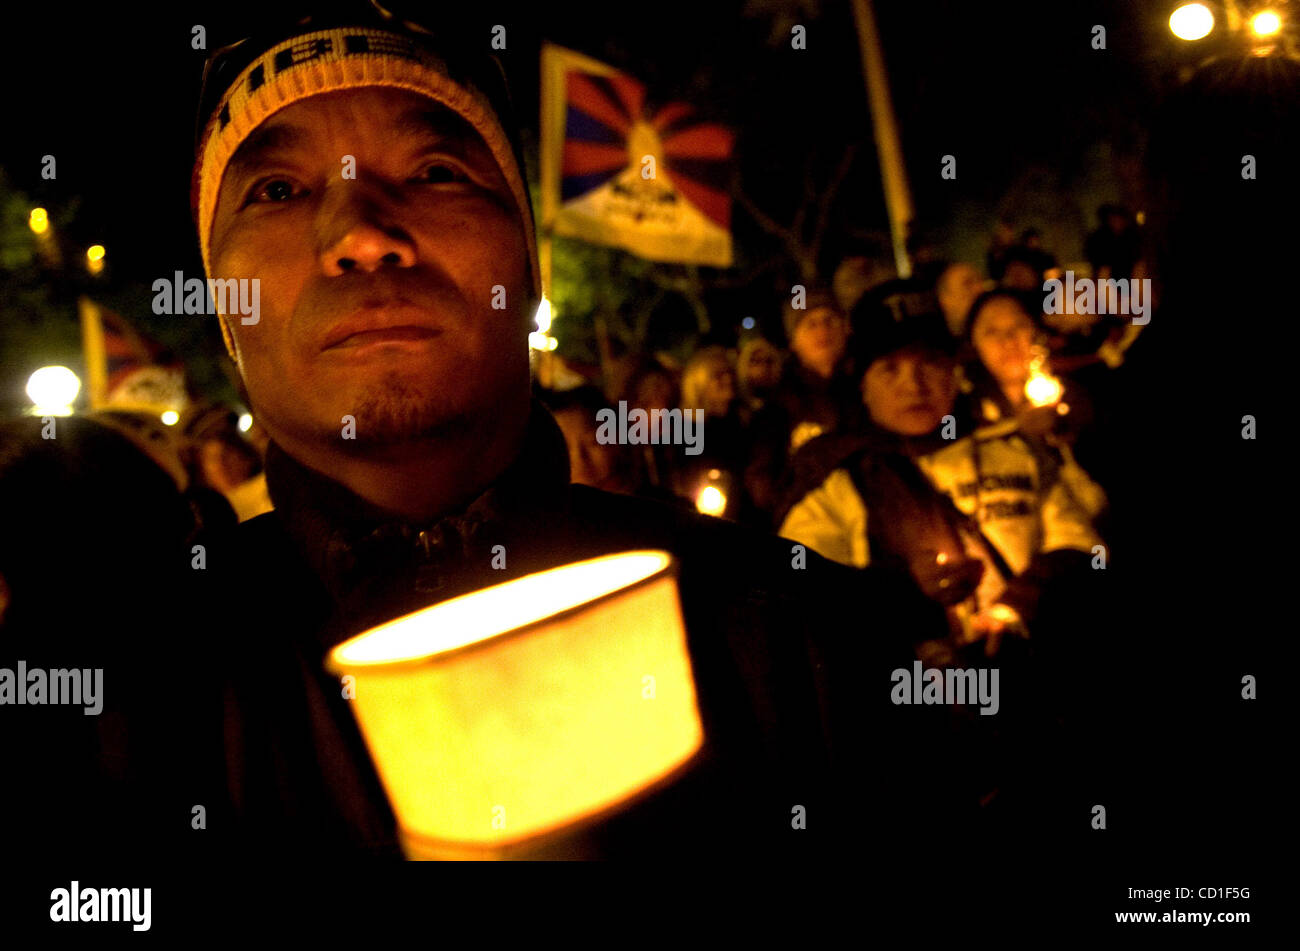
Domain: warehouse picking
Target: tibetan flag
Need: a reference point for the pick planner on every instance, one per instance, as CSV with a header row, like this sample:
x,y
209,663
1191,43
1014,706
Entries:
x,y
125,370
620,170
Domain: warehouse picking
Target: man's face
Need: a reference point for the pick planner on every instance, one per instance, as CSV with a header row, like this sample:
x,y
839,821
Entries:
x,y
1003,336
820,338
910,391
377,290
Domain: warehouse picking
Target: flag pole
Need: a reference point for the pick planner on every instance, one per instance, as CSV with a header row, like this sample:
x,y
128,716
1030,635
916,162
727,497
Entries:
x,y
898,198
92,351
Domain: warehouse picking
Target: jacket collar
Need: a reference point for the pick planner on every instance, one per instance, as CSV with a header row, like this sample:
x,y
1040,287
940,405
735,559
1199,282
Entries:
x,y
370,560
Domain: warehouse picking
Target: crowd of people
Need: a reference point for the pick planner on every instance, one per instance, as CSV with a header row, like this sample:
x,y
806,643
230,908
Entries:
x,y
943,425
933,450
941,429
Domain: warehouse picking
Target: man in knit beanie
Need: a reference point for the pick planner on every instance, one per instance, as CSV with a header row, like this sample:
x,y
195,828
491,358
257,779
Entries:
x,y
362,175
366,173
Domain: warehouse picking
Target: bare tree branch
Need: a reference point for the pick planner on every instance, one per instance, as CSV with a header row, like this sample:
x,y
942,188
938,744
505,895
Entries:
x,y
828,199
764,221
809,199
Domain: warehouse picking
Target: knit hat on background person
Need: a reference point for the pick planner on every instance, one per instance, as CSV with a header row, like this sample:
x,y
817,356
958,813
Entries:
x,y
357,45
896,315
815,299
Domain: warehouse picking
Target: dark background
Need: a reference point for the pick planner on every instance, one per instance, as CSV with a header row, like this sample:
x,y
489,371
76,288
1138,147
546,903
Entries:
x,y
1044,128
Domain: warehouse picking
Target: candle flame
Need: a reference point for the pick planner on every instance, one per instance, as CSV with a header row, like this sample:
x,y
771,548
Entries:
x,y
1043,389
711,500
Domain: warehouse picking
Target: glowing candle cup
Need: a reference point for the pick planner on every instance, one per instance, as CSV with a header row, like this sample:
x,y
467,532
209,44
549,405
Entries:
x,y
514,713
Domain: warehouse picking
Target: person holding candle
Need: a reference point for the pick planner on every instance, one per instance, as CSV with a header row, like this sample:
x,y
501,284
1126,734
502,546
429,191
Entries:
x,y
367,173
968,519
1001,337
1007,375
968,515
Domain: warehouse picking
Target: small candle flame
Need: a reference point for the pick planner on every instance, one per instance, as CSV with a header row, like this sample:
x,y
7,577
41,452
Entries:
x,y
1042,389
711,500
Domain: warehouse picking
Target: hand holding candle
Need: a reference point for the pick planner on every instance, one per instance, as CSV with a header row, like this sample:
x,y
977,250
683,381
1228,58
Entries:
x,y
1042,389
949,579
992,624
521,710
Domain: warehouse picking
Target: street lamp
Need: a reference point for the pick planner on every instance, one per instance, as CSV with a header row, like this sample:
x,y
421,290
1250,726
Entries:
x,y
52,390
1265,23
1191,21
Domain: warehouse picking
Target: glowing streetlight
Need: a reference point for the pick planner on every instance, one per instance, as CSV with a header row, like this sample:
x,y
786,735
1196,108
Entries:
x,y
1191,21
1265,23
39,220
95,258
52,390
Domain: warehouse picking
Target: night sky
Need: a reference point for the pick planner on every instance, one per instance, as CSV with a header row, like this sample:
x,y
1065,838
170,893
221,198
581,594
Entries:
x,y
113,94
1044,127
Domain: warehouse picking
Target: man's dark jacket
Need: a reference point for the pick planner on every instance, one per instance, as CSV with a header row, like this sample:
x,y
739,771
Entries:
x,y
792,682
